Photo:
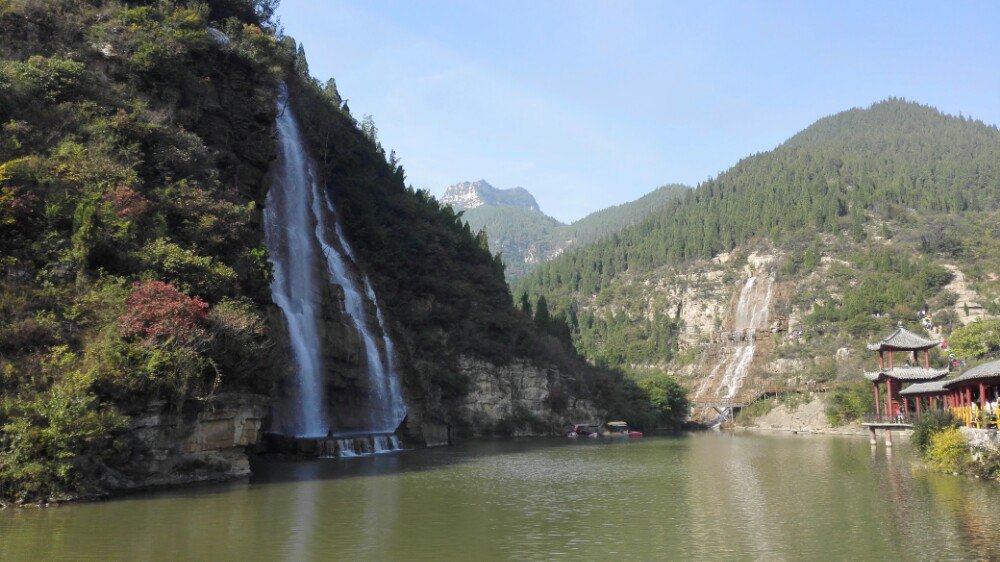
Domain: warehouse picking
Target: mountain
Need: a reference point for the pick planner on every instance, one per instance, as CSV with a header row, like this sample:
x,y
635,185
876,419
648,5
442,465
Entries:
x,y
525,237
470,195
807,250
147,269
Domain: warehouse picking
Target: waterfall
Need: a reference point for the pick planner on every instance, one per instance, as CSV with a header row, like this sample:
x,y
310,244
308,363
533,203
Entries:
x,y
751,315
388,408
299,218
346,448
736,357
295,288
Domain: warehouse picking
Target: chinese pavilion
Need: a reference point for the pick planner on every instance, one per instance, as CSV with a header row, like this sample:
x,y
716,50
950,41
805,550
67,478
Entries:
x,y
894,377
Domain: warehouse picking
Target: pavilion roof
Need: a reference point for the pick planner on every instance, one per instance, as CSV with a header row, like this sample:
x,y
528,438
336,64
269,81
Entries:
x,y
907,374
933,387
985,371
903,340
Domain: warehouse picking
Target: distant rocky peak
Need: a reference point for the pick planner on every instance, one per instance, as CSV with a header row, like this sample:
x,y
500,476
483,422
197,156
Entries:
x,y
469,195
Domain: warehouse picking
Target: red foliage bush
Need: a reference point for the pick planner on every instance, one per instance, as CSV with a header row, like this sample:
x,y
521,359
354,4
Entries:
x,y
127,202
15,207
158,312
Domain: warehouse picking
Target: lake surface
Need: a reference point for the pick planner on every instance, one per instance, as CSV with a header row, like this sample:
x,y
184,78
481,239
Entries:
x,y
701,496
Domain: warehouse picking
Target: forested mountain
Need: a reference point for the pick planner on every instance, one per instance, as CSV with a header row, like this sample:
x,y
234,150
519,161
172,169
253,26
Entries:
x,y
134,162
893,192
525,236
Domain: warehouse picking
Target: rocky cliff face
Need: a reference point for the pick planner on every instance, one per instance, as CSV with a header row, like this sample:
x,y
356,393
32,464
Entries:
x,y
517,399
469,195
205,441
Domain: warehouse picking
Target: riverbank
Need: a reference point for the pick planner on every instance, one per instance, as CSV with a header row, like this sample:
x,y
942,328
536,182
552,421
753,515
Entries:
x,y
809,417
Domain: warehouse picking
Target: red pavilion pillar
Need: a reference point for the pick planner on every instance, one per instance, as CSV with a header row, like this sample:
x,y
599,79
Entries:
x,y
968,404
888,395
878,406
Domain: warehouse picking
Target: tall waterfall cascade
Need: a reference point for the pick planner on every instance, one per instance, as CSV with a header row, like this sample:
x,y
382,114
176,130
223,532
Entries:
x,y
308,251
726,377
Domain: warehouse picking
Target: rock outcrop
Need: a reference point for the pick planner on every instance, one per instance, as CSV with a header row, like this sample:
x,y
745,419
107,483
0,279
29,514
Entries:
x,y
517,399
805,418
205,441
469,195
520,399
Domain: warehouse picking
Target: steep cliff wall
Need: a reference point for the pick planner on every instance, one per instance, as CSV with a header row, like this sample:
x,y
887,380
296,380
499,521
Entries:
x,y
205,441
517,399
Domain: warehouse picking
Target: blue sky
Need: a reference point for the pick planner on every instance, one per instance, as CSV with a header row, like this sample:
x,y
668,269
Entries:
x,y
589,104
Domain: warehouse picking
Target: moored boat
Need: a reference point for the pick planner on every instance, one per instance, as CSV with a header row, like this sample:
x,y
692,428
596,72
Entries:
x,y
620,429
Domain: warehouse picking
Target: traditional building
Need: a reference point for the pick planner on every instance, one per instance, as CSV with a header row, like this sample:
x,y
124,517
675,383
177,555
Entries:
x,y
974,396
894,408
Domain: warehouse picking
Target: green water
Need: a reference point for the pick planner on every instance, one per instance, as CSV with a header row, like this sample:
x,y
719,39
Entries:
x,y
702,496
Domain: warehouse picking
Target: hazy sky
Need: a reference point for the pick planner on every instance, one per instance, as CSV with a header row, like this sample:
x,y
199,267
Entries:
x,y
590,104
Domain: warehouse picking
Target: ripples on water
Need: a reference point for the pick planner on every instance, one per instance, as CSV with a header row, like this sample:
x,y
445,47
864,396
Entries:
x,y
704,496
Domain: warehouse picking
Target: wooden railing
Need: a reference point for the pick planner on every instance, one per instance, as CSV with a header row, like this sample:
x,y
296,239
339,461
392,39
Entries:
x,y
966,415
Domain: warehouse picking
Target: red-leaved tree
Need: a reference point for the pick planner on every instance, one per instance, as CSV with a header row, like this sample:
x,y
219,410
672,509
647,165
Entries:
x,y
127,202
157,312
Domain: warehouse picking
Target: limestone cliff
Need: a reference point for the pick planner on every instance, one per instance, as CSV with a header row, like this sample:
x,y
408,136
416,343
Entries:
x,y
204,441
517,399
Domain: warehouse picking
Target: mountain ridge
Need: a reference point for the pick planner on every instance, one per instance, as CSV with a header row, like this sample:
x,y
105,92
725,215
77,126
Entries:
x,y
860,219
526,236
471,195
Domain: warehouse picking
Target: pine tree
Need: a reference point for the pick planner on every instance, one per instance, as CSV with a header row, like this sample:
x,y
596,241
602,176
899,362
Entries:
x,y
330,89
525,304
542,312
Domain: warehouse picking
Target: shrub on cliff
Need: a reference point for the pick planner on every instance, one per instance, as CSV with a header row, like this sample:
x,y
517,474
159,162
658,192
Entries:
x,y
45,436
240,344
156,312
929,425
163,345
948,451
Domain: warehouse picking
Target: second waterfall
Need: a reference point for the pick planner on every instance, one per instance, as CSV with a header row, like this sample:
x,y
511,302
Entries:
x,y
308,252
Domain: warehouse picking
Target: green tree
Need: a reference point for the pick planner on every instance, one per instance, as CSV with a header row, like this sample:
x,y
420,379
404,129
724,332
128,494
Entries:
x,y
525,304
976,340
331,92
668,399
542,317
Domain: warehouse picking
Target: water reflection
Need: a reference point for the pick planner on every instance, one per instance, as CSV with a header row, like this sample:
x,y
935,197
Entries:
x,y
701,496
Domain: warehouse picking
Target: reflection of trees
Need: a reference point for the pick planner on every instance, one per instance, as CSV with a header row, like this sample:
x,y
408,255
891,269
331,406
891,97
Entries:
x,y
929,515
972,509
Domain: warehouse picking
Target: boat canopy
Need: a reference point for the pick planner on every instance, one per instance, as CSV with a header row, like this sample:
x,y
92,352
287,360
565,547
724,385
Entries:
x,y
617,423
